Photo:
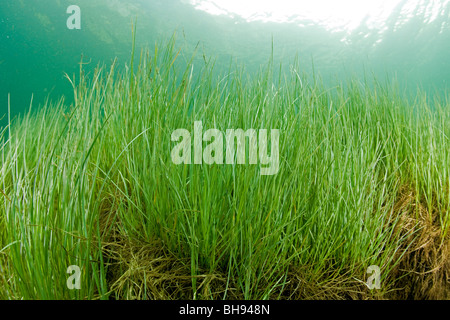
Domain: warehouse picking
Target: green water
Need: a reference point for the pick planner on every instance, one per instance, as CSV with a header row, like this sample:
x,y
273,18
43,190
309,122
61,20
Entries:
x,y
411,44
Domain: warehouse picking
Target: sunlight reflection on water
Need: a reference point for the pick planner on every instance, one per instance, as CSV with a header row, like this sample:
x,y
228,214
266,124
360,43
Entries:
x,y
335,16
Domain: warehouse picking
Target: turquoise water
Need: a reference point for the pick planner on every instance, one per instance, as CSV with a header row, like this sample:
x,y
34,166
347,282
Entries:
x,y
404,40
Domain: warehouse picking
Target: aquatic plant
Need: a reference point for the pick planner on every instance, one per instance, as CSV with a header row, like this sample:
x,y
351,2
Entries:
x,y
363,181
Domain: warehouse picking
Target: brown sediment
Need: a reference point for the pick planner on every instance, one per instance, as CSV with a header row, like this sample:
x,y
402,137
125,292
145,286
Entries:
x,y
146,270
423,268
138,269
301,284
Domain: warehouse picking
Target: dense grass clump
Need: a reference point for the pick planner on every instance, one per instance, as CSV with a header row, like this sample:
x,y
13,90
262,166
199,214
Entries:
x,y
363,180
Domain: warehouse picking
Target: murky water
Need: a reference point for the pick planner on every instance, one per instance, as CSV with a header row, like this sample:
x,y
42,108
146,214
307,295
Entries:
x,y
404,39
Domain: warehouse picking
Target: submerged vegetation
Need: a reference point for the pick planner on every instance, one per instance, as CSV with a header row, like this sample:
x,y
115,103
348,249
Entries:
x,y
363,181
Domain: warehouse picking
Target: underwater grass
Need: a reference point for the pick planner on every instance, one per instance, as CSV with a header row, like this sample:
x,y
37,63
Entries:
x,y
362,175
